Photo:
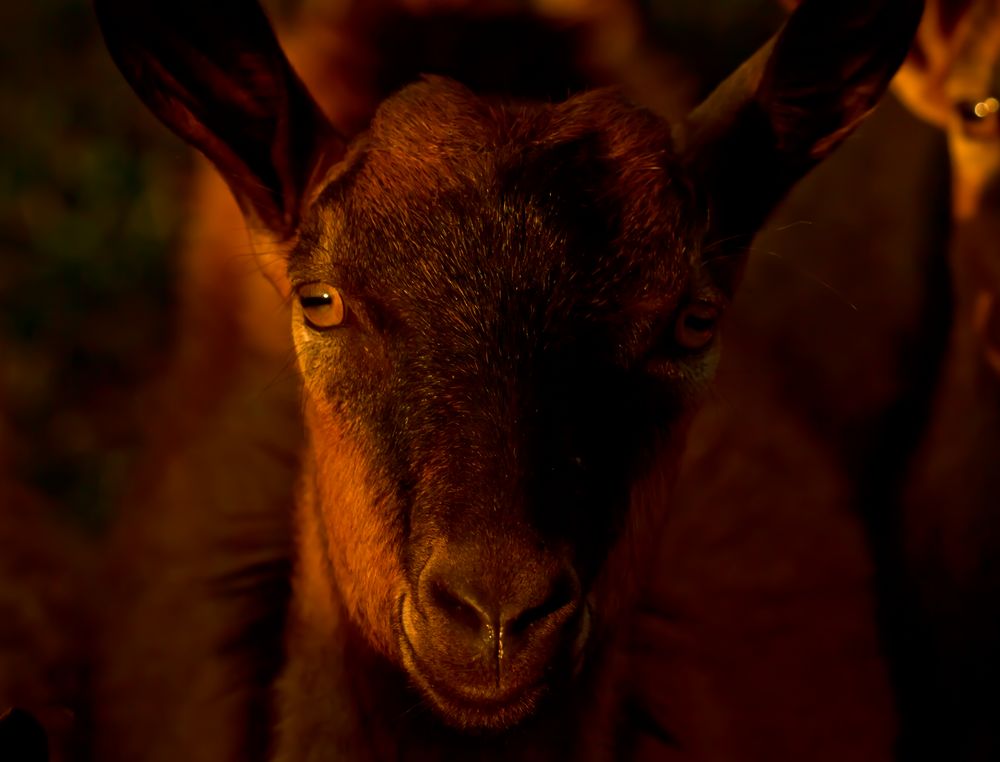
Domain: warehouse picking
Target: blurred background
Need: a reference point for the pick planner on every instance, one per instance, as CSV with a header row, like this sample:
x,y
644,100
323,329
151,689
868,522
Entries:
x,y
90,201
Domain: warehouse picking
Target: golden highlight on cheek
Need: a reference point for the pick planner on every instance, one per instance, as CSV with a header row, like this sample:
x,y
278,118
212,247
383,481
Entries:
x,y
315,353
362,544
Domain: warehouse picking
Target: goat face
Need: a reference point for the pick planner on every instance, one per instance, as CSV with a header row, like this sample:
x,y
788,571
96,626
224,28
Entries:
x,y
503,314
521,319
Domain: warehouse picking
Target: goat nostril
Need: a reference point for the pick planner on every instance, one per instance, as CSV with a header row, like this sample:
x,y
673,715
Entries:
x,y
476,612
561,598
460,610
513,617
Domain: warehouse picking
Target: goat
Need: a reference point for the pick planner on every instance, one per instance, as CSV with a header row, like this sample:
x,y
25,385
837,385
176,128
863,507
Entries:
x,y
950,525
927,494
505,315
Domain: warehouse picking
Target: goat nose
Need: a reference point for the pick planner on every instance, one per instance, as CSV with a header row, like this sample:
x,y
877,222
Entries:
x,y
497,613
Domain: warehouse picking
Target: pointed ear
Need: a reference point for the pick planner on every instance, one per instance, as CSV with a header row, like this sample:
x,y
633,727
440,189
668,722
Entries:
x,y
214,73
791,104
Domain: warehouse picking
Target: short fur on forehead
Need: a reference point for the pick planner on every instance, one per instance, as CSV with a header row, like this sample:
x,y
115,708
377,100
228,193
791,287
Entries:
x,y
595,159
438,130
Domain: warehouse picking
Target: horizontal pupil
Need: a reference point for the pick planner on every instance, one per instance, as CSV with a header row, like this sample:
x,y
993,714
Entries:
x,y
316,301
698,324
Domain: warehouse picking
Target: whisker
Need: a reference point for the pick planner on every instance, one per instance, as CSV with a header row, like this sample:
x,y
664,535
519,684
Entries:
x,y
789,226
813,277
290,363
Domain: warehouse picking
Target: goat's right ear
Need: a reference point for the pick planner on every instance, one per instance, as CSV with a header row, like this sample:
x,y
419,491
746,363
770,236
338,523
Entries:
x,y
214,73
791,104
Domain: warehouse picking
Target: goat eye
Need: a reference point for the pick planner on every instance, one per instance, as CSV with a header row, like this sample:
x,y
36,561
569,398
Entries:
x,y
695,326
322,305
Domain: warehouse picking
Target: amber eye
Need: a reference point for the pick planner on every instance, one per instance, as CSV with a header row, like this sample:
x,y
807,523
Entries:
x,y
322,305
695,327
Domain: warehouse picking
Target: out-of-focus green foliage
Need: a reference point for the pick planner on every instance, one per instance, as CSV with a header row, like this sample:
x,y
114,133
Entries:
x,y
90,203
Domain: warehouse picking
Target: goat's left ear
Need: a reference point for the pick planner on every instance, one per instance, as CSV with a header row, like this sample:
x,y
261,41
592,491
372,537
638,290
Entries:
x,y
790,104
215,74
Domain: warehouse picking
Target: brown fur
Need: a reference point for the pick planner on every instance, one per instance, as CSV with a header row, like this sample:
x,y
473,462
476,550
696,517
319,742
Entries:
x,y
348,524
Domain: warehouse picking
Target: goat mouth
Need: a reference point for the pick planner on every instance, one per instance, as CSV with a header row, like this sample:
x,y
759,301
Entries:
x,y
468,708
